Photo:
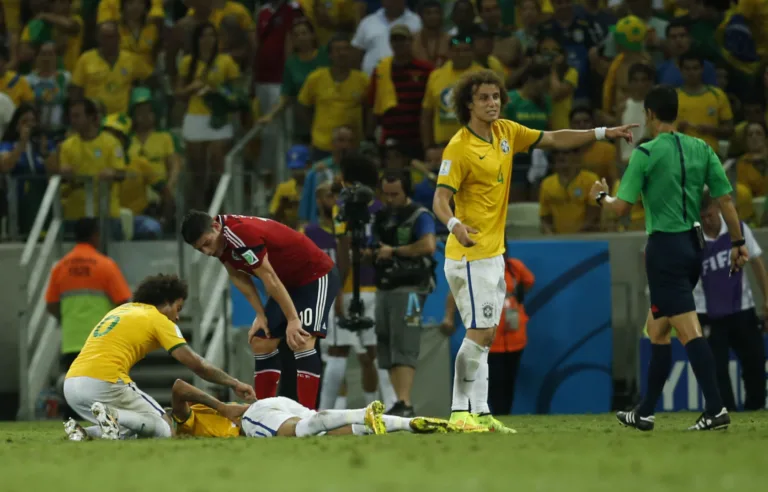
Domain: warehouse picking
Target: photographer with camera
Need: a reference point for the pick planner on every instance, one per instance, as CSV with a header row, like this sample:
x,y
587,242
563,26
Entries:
x,y
405,274
352,224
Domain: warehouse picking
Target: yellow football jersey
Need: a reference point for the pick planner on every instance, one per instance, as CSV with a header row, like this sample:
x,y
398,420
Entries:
x,y
122,338
206,422
567,204
223,69
73,42
710,107
157,148
110,84
133,190
89,158
438,96
141,44
478,172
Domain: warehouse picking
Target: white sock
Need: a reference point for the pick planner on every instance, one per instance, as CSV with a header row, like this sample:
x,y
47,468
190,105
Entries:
x,y
360,430
326,420
478,394
333,378
370,397
388,396
467,362
340,403
143,425
395,424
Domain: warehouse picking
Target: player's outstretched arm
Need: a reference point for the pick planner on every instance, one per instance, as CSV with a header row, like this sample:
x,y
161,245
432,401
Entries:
x,y
212,374
183,393
571,139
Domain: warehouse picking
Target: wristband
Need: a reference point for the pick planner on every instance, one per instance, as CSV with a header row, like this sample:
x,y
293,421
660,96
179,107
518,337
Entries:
x,y
740,242
599,198
600,133
452,223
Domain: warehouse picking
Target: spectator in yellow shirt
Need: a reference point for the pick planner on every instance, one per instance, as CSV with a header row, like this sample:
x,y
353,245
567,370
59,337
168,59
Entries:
x,y
565,205
600,156
285,202
752,167
112,10
92,156
438,121
703,110
753,111
14,85
56,23
107,74
564,81
334,96
204,69
138,34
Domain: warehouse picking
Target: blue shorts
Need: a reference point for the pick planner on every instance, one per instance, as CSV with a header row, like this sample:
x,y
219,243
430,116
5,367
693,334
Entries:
x,y
673,267
313,303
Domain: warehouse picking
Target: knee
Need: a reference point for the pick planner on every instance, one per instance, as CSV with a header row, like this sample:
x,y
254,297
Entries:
x,y
483,337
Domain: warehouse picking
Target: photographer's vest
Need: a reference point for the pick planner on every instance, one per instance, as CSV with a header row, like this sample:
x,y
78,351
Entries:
x,y
397,229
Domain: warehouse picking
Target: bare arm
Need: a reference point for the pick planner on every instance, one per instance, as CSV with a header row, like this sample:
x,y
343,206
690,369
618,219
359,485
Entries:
x,y
566,139
731,217
67,24
173,166
245,285
203,368
441,204
276,290
423,247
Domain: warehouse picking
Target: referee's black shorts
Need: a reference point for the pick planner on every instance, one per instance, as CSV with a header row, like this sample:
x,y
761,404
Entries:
x,y
673,267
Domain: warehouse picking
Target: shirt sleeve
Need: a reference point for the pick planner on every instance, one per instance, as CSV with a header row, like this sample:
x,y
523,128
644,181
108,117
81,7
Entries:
x,y
247,241
167,333
117,288
25,91
572,77
307,92
184,67
452,170
753,248
717,181
424,225
523,138
275,203
65,159
233,71
724,111
634,177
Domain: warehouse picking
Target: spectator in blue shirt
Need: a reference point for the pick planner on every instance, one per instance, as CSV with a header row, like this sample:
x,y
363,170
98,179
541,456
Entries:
x,y
343,142
27,155
678,43
424,192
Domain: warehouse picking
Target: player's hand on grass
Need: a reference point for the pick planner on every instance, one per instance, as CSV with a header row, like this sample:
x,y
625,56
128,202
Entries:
x,y
462,232
260,323
244,391
624,131
598,187
739,257
295,336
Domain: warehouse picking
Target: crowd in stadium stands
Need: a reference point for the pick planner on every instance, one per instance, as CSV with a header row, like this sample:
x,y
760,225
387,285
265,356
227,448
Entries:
x,y
148,96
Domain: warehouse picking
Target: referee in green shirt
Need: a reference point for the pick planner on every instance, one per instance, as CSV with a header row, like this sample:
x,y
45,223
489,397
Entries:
x,y
670,172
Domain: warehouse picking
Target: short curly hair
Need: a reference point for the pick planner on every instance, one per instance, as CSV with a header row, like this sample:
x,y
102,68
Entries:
x,y
161,289
467,86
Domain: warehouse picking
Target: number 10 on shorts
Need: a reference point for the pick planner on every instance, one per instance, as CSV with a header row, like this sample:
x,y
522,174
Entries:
x,y
306,317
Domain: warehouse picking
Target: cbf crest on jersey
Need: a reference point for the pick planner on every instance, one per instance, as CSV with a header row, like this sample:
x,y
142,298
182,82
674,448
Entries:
x,y
505,146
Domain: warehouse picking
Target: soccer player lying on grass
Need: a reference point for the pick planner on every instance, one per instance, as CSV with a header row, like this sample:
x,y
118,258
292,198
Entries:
x,y
197,413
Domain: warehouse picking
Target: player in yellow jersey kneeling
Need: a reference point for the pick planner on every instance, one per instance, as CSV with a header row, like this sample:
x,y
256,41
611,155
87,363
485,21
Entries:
x,y
475,172
98,386
199,414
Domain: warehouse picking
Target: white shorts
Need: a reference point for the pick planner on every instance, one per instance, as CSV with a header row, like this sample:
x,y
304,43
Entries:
x,y
197,128
479,289
339,337
264,418
82,392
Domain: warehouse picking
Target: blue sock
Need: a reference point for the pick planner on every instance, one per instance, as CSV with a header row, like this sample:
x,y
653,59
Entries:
x,y
703,365
658,372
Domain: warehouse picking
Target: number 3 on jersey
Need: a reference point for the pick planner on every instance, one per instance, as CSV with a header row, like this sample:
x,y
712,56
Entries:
x,y
106,326
306,317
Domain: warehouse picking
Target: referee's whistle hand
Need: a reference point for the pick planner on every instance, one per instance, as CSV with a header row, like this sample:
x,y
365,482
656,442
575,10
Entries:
x,y
462,232
739,258
624,131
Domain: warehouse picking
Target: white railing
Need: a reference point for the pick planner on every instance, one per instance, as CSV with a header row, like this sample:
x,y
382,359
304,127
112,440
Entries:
x,y
207,279
39,338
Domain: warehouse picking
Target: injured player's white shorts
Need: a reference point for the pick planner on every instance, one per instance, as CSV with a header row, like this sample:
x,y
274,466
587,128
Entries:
x,y
264,418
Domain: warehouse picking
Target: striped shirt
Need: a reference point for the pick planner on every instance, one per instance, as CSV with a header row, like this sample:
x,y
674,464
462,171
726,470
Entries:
x,y
401,123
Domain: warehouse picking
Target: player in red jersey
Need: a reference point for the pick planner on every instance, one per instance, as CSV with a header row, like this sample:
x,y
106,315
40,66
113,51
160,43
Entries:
x,y
301,282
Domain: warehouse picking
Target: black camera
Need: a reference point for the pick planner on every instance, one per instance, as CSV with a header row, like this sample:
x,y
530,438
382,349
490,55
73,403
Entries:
x,y
354,211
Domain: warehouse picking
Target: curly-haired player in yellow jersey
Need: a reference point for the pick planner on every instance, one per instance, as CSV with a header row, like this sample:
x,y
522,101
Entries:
x,y
475,172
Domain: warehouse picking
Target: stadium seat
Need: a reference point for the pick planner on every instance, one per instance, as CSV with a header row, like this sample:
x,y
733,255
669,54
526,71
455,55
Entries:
x,y
523,220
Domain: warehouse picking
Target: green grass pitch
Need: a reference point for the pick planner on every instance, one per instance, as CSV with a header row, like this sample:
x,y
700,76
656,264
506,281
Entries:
x,y
550,453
